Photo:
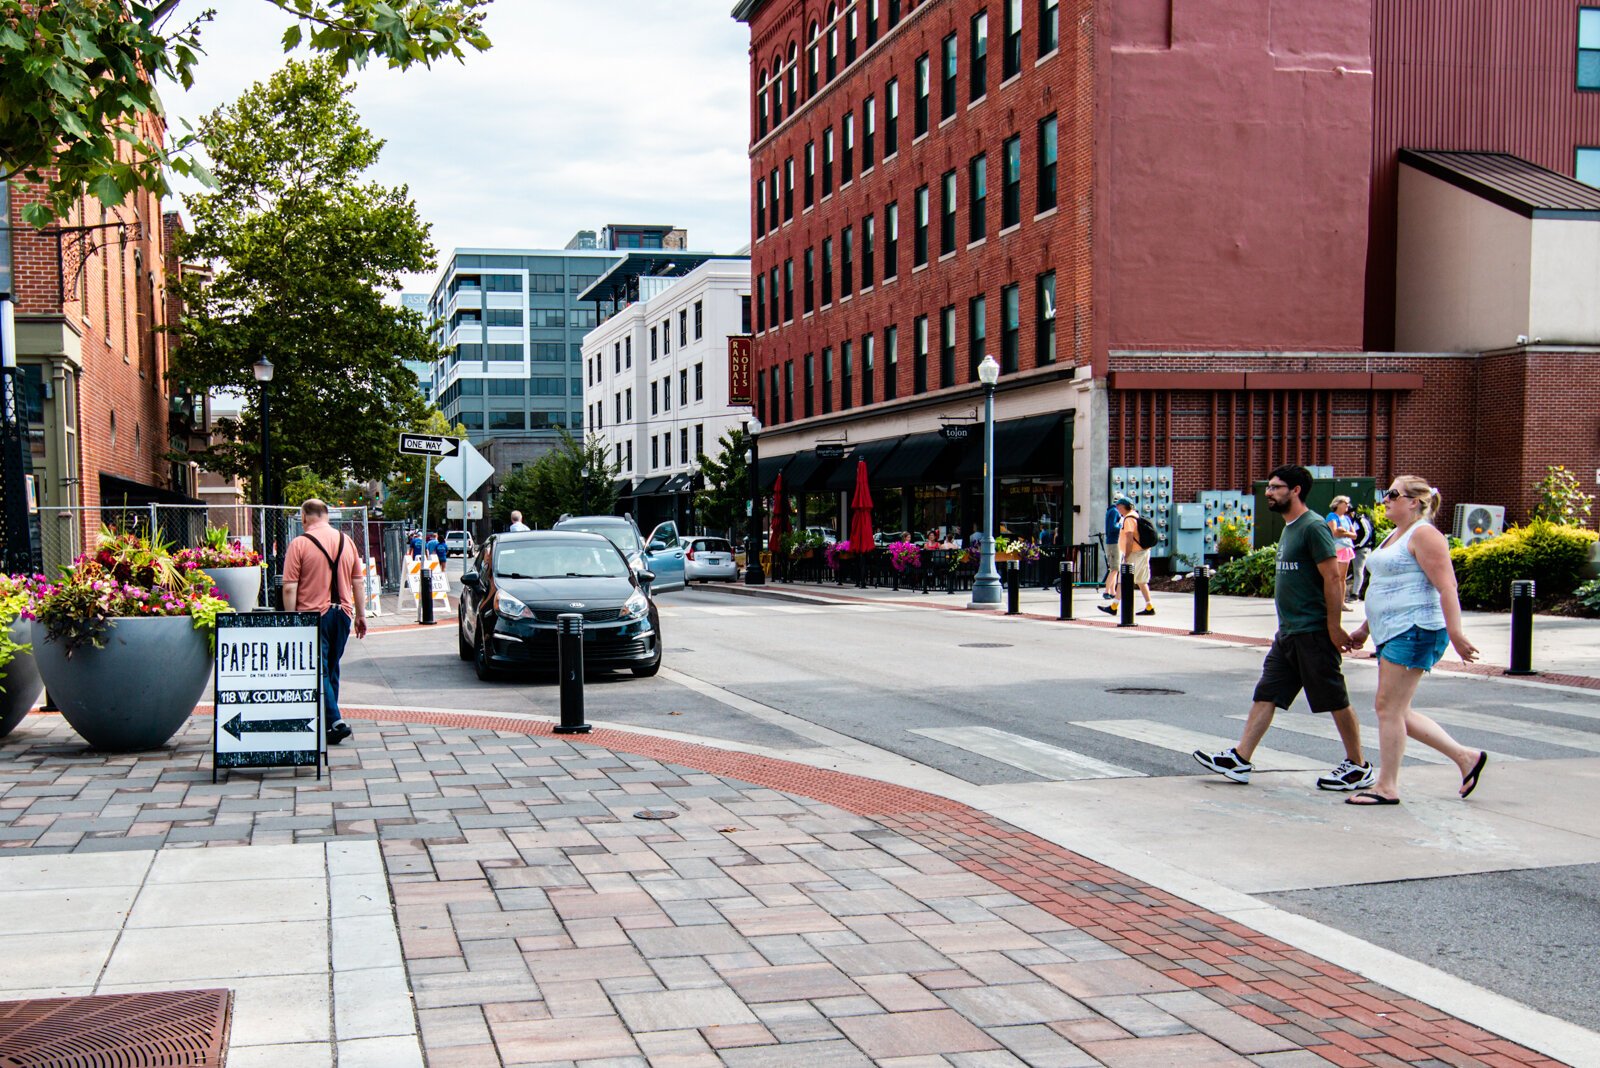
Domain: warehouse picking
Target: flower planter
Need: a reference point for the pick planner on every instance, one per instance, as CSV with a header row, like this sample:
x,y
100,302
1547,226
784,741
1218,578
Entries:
x,y
240,586
136,692
21,681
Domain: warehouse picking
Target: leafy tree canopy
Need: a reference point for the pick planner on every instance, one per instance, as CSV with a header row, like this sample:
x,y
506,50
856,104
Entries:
x,y
577,478
78,80
723,504
302,252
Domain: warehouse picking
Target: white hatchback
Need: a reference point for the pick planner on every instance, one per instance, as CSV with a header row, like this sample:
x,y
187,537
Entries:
x,y
709,559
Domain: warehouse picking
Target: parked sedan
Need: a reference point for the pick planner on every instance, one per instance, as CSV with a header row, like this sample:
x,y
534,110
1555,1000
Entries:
x,y
709,559
662,555
523,581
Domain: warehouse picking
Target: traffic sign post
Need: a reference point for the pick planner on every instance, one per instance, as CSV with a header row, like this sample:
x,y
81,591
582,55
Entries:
x,y
465,476
436,445
430,446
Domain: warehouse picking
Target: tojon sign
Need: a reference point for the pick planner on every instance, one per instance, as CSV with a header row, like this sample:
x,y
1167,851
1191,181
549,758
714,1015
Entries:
x,y
268,692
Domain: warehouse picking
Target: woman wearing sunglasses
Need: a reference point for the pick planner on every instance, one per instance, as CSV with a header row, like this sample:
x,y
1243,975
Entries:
x,y
1413,614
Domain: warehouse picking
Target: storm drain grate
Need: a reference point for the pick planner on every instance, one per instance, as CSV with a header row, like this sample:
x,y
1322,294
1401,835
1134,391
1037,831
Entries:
x,y
1145,691
170,1029
985,645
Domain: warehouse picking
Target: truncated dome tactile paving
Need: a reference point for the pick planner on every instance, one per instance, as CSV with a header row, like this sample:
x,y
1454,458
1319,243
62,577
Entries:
x,y
172,1029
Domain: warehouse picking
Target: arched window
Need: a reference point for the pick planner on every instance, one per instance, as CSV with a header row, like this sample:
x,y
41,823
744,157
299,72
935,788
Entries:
x,y
777,91
833,41
811,61
792,74
761,104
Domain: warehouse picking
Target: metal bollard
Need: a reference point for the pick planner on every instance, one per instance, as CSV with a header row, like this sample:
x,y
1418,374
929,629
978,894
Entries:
x,y
1125,590
425,597
1013,590
1066,589
1521,628
1202,600
569,650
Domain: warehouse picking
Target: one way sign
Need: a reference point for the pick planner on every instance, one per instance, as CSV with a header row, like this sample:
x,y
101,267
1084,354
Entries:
x,y
436,445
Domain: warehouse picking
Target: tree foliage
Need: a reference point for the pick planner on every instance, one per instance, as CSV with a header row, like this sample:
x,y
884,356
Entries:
x,y
1561,498
303,253
404,499
576,478
78,80
724,502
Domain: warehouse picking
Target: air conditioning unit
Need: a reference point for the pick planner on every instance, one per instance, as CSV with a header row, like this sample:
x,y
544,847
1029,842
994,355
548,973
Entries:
x,y
1478,522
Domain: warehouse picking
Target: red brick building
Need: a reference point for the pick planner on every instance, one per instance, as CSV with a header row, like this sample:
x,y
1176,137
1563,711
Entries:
x,y
1178,228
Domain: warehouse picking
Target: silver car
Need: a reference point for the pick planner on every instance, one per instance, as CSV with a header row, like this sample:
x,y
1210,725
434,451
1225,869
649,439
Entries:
x,y
709,559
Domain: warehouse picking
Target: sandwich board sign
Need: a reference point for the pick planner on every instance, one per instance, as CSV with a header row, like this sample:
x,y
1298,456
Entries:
x,y
268,685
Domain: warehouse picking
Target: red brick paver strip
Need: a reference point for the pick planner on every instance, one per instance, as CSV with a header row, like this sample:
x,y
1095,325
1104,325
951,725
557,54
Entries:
x,y
789,915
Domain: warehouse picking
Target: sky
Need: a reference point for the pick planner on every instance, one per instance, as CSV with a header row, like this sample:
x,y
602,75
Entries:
x,y
585,112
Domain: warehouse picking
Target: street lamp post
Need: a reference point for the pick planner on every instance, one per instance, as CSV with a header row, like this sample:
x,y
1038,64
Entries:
x,y
262,369
986,585
753,575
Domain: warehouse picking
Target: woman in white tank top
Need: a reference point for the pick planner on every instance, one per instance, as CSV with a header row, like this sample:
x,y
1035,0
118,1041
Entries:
x,y
1412,614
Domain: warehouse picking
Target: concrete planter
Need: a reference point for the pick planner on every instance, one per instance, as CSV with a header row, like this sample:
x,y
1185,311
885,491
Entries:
x,y
240,586
21,681
136,692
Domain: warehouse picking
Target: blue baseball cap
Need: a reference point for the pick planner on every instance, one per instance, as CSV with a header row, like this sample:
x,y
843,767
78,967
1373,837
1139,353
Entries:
x,y
1124,499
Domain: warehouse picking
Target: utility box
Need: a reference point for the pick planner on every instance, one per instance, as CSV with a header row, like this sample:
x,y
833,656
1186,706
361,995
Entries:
x,y
1151,491
1269,524
1227,506
1188,535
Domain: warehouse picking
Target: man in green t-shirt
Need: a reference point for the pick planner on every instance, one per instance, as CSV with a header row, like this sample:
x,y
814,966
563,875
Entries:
x,y
1309,594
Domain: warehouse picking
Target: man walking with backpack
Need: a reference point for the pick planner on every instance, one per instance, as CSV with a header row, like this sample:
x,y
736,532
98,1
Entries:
x,y
1135,539
321,573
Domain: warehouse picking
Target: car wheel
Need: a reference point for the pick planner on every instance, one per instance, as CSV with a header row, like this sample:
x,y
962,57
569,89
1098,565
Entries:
x,y
648,671
462,645
487,672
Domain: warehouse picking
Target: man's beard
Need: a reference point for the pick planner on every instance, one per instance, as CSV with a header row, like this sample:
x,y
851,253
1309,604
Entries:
x,y
1278,504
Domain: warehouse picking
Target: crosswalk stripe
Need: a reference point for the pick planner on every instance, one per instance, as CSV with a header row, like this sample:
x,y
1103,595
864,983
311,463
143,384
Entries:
x,y
1322,727
1533,732
1570,708
717,610
867,608
1182,740
794,609
1028,754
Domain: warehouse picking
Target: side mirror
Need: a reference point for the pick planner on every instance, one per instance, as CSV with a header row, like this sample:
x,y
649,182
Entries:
x,y
471,581
657,546
646,577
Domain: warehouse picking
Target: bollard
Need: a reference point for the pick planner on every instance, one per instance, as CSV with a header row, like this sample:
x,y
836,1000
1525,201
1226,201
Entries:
x,y
1202,600
1066,589
425,597
1521,628
569,651
1013,590
1126,589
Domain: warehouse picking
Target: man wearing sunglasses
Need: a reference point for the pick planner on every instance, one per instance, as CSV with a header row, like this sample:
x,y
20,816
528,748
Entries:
x,y
1309,594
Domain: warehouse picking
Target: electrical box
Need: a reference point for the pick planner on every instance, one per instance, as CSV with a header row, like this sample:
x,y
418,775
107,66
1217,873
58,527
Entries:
x,y
1227,506
1151,491
1189,535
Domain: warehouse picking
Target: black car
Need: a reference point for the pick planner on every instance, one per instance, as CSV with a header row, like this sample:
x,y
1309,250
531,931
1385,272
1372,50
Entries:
x,y
523,581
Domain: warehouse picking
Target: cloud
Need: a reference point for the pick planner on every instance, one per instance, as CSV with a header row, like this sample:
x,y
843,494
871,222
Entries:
x,y
583,113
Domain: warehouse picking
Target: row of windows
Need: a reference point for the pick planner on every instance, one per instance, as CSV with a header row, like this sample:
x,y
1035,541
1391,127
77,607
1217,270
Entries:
x,y
661,344
665,389
661,447
515,420
873,378
509,387
510,283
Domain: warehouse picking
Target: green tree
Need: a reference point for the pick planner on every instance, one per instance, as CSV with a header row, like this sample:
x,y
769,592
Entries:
x,y
304,482
78,80
576,478
403,499
724,503
303,253
1561,498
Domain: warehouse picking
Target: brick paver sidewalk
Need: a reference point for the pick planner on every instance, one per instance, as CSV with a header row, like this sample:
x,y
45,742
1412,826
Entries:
x,y
787,916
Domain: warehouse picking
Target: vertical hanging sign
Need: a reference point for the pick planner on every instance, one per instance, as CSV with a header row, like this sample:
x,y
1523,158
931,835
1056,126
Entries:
x,y
738,370
268,692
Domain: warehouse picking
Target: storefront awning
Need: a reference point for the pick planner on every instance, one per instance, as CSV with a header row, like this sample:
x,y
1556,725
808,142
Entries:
x,y
919,458
809,473
678,484
874,453
650,486
767,469
125,493
1022,447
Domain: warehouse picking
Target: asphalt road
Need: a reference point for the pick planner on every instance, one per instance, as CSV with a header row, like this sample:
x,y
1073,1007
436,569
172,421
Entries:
x,y
1033,710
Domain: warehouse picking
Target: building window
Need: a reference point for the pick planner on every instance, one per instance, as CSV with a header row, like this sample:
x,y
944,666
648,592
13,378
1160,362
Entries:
x,y
827,271
891,362
1047,163
869,131
699,320
617,359
761,106
1588,48
655,401
1011,64
666,336
978,75
630,456
868,342
772,204
1049,26
1010,328
777,92
774,394
919,354
761,206
947,78
947,213
683,327
772,296
761,303
846,375
627,397
833,48
788,291
683,446
920,114
655,452
977,198
847,271
891,241
619,457
617,405
744,313
683,387
850,36
894,13
788,391
627,343
891,117
699,441
811,62
811,173
827,381
868,228
808,279
977,335
947,346
1587,167
699,381
827,162
1011,193
1044,323
788,189
761,396
508,421
919,237
666,449
872,22
654,345
847,156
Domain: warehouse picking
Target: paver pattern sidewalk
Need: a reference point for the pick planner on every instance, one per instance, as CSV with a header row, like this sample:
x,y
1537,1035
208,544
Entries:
x,y
787,916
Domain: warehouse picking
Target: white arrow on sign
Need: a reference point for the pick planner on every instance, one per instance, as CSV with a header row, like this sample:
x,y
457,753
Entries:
x,y
435,445
468,473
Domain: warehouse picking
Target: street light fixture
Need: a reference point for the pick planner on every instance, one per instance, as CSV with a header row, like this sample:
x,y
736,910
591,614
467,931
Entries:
x,y
262,369
986,585
753,575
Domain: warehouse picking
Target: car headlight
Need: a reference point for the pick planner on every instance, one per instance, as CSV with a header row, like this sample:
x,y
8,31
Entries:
x,y
636,606
508,606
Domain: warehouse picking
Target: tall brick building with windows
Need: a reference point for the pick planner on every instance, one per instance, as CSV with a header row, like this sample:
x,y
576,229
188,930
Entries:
x,y
1191,235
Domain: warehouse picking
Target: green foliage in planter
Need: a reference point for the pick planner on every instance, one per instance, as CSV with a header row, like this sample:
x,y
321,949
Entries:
x,y
14,597
1589,595
1249,576
1551,554
1231,540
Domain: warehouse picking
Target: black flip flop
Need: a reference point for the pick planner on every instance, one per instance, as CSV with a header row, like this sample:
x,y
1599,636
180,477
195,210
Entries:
x,y
1469,781
1377,799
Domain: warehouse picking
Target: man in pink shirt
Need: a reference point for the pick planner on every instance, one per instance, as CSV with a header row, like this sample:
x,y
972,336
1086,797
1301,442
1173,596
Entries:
x,y
320,574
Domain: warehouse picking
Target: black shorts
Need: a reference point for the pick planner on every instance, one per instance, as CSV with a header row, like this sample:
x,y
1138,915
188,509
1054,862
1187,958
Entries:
x,y
1308,662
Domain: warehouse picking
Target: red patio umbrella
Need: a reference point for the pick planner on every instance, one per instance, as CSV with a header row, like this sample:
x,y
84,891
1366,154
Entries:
x,y
861,512
780,516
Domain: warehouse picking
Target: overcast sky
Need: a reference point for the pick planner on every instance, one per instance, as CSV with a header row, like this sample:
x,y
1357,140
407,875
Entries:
x,y
585,112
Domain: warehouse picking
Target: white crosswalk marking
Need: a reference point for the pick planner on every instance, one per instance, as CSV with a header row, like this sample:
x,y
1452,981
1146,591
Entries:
x,y
795,609
1182,740
1569,708
867,608
1028,754
716,610
1533,732
1322,727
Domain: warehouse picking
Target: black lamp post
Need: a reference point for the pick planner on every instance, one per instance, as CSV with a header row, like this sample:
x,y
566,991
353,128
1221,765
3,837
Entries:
x,y
263,373
753,575
986,584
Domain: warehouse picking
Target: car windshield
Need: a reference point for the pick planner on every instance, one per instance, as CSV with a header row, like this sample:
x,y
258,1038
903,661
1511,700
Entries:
x,y
620,534
559,560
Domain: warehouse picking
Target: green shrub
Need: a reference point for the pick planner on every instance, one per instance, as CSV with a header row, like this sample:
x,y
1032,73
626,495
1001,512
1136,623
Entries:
x,y
1589,595
1249,576
1550,554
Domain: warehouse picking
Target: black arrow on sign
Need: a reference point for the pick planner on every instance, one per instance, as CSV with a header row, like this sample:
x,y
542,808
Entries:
x,y
238,726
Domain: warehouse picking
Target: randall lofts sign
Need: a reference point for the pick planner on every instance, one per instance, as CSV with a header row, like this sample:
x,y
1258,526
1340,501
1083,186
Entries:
x,y
268,692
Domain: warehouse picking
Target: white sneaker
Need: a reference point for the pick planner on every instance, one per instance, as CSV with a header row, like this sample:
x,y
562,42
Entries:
x,y
1348,776
1226,763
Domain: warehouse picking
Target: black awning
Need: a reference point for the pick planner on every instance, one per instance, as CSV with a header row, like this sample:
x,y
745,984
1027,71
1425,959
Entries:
x,y
767,469
1022,447
801,469
622,487
678,484
650,486
118,492
920,458
873,452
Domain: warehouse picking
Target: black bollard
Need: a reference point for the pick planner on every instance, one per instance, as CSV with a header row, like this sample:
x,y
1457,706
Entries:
x,y
425,597
1126,591
1521,628
569,651
1066,589
1202,600
1013,590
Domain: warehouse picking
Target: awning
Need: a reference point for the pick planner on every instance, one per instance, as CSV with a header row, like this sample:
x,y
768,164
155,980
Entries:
x,y
874,452
622,487
1031,446
678,484
767,469
920,458
126,493
650,486
809,473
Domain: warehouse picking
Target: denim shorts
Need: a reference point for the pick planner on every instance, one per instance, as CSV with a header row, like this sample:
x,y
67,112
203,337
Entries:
x,y
1416,648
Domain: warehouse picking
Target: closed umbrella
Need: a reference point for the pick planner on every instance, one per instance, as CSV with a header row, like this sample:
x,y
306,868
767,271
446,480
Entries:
x,y
861,512
780,516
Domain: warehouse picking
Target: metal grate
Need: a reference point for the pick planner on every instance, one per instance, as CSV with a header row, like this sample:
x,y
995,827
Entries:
x,y
170,1029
